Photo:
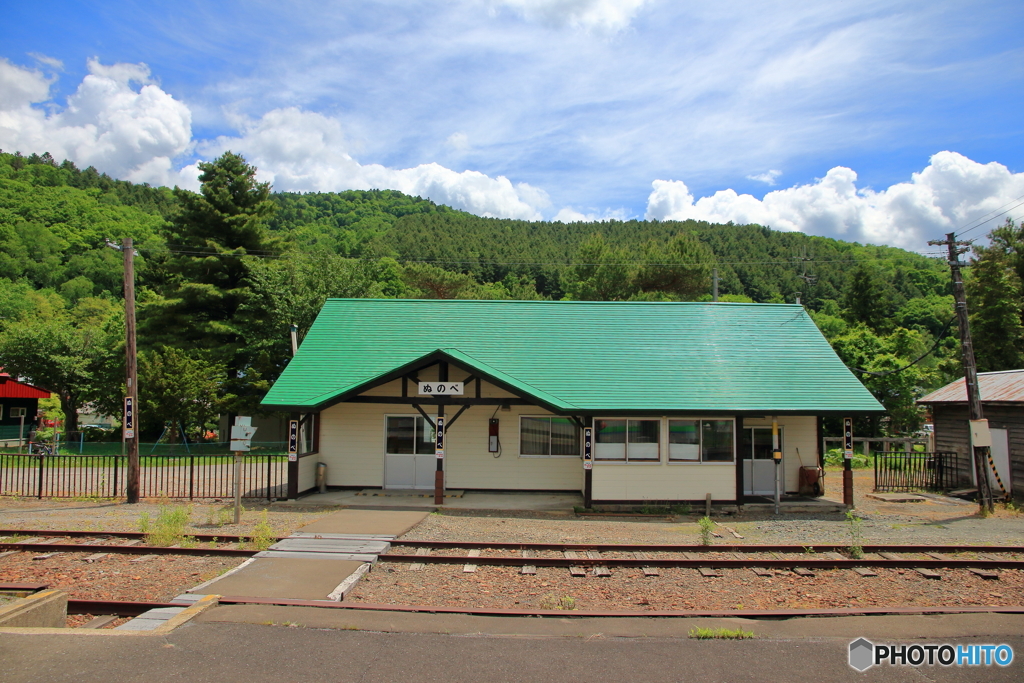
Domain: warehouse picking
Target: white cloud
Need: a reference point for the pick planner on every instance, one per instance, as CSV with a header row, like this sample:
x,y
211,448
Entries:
x,y
606,16
768,177
950,192
134,135
458,141
568,214
302,151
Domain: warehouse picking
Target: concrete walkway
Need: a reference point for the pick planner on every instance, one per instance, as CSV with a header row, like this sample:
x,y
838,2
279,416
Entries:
x,y
315,562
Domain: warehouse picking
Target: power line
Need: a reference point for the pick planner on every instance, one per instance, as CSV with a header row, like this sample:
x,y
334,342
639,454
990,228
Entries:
x,y
963,230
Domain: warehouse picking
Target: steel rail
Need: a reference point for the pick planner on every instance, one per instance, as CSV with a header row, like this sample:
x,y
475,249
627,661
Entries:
x,y
580,614
111,534
125,549
711,563
724,547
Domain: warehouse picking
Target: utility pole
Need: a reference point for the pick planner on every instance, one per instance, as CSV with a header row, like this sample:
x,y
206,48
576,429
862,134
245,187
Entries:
x,y
131,367
714,289
979,453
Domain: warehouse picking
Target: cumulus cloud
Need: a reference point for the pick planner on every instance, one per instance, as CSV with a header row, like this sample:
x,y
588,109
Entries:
x,y
950,192
305,151
769,177
568,214
130,133
605,16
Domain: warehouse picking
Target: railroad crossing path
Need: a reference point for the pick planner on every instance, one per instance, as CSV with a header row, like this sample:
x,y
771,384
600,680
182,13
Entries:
x,y
320,562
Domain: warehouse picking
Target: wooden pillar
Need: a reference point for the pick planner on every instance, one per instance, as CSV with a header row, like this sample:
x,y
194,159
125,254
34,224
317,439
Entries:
x,y
293,467
741,443
588,474
442,376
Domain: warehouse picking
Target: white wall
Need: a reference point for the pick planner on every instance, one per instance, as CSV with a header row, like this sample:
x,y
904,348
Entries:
x,y
664,481
352,444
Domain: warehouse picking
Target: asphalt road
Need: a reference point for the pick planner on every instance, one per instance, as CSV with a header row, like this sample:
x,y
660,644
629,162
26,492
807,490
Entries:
x,y
250,653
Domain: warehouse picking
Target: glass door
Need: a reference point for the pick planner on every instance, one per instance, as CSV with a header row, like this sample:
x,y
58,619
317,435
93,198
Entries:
x,y
758,466
409,461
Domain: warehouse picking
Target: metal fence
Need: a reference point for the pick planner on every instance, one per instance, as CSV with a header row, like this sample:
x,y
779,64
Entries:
x,y
161,476
903,471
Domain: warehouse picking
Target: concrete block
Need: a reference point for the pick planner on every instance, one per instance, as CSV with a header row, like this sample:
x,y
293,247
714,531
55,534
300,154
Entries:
x,y
47,609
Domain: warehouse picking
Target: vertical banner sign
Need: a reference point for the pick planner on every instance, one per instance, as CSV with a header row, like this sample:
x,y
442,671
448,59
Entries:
x,y
293,440
848,437
439,443
588,448
129,418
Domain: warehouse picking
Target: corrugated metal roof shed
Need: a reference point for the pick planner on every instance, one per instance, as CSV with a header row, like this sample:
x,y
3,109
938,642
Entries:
x,y
583,356
11,388
996,387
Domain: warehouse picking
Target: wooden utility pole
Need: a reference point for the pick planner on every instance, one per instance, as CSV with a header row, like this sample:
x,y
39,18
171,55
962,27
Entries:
x,y
131,367
980,454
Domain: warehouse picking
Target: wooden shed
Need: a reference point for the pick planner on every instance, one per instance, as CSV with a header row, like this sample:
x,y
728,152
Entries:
x,y
1002,403
19,403
680,397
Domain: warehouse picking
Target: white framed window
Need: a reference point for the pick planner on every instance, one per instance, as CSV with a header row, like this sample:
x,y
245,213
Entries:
x,y
548,436
15,412
627,440
408,435
702,440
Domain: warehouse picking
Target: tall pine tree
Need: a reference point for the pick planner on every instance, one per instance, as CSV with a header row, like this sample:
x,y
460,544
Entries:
x,y
994,294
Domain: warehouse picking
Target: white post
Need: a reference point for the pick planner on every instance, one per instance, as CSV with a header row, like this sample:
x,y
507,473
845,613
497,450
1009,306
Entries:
x,y
238,487
21,434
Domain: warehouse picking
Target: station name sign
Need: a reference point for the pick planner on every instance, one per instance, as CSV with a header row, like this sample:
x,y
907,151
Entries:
x,y
440,388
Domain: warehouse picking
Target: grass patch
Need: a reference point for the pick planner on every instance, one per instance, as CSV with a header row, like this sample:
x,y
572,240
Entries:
x,y
566,602
702,633
169,526
856,536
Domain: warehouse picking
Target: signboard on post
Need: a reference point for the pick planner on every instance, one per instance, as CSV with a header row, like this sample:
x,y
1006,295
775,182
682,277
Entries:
x,y
129,417
293,440
241,433
439,439
848,438
588,448
440,388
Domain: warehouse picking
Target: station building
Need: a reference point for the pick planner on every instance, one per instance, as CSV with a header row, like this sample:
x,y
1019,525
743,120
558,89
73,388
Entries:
x,y
680,397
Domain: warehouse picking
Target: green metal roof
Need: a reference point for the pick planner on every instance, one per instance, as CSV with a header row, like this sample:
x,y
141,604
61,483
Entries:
x,y
584,356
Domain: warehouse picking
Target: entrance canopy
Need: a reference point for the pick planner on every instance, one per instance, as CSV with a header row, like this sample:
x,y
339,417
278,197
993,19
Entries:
x,y
582,357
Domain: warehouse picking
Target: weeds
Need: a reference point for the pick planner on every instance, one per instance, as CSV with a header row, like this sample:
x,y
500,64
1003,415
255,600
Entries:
x,y
144,523
701,633
706,526
169,526
566,602
263,535
856,536
809,550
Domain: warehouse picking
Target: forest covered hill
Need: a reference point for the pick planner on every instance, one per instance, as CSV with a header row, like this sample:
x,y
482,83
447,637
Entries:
x,y
222,273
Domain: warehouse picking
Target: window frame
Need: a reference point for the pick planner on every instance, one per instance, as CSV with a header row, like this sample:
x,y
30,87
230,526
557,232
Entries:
x,y
700,443
626,459
576,428
426,425
23,412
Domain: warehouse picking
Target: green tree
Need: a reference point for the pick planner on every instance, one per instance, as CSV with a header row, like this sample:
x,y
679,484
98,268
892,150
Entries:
x,y
205,274
600,272
867,301
180,390
681,268
994,301
76,363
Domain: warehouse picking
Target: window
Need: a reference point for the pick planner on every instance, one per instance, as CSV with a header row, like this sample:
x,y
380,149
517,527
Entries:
x,y
761,443
548,436
409,436
631,440
15,412
700,440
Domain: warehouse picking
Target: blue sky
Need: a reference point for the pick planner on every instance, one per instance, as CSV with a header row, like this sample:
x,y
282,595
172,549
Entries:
x,y
885,122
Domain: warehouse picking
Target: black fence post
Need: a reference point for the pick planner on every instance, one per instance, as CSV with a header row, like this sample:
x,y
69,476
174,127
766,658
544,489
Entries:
x,y
41,465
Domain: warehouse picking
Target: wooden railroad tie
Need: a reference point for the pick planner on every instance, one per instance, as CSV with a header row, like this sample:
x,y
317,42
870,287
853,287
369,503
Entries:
x,y
418,566
574,570
99,622
471,568
93,558
984,573
927,573
709,573
599,569
144,558
134,541
45,556
528,569
800,571
9,552
648,571
865,572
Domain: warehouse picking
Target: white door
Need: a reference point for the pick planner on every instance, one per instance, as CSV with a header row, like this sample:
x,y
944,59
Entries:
x,y
758,465
409,461
1001,458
